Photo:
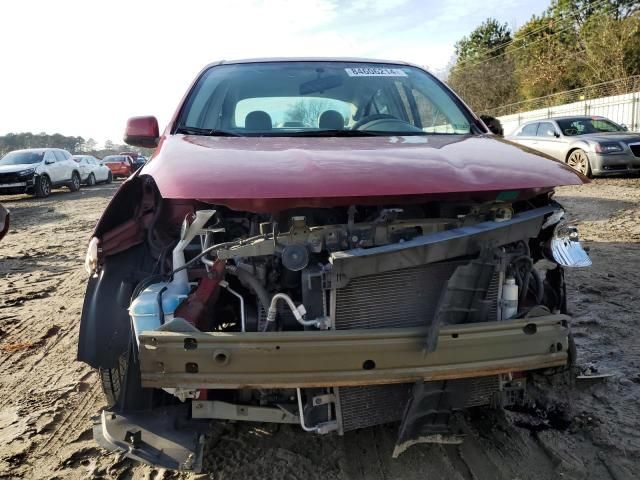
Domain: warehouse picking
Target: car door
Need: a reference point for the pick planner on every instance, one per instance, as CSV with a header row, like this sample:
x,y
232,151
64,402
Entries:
x,y
69,162
52,167
527,135
98,170
85,168
549,140
63,168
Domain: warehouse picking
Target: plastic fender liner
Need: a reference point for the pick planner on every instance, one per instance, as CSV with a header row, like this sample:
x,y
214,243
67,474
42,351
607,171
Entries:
x,y
105,326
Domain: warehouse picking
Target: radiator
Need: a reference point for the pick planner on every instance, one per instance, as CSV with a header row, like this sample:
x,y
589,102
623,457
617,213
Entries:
x,y
399,298
361,407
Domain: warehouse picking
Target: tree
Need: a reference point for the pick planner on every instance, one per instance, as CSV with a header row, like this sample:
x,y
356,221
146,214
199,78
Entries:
x,y
483,72
488,40
88,146
544,52
610,48
581,11
307,111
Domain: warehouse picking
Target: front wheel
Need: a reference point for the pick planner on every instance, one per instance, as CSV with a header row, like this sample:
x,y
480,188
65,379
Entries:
x,y
91,181
578,160
112,380
43,186
74,185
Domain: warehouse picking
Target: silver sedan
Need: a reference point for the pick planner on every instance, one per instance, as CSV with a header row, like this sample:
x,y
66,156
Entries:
x,y
591,145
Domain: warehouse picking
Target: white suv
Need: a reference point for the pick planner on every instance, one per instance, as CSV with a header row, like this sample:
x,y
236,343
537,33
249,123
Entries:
x,y
37,171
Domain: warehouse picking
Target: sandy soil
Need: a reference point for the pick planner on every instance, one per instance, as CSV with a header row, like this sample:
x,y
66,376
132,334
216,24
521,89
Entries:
x,y
588,430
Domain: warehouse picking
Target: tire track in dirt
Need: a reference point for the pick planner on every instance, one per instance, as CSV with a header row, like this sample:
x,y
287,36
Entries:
x,y
46,398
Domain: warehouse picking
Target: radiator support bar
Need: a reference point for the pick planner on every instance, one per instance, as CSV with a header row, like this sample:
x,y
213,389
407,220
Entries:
x,y
349,357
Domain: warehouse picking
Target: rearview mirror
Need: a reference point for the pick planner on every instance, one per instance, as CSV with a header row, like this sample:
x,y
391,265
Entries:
x,y
142,132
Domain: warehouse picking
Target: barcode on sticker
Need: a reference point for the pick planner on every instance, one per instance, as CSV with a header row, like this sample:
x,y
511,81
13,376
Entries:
x,y
374,72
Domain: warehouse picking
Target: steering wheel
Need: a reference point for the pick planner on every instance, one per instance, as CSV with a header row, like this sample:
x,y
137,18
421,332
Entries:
x,y
371,118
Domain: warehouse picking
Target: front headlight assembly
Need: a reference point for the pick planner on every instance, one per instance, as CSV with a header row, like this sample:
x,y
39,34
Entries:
x,y
91,260
565,247
608,147
27,172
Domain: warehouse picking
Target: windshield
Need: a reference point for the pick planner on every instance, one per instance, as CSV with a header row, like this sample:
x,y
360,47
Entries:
x,y
21,157
113,159
582,126
320,98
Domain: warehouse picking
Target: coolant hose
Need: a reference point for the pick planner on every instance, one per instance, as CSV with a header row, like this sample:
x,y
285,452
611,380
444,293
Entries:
x,y
254,283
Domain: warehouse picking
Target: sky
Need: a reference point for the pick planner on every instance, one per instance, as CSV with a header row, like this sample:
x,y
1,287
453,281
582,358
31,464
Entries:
x,y
83,67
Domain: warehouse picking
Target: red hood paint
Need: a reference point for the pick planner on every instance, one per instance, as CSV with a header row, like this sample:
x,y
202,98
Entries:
x,y
275,173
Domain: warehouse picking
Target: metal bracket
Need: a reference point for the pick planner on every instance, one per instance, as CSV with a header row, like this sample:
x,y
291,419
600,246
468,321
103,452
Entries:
x,y
323,399
231,411
327,427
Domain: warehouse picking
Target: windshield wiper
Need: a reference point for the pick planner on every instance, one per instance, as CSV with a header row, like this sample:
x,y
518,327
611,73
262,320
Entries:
x,y
209,132
333,133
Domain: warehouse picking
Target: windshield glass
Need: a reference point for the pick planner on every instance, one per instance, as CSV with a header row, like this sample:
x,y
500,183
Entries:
x,y
582,126
320,98
20,158
113,159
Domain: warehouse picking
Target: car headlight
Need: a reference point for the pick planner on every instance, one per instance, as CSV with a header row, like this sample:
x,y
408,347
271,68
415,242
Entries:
x,y
610,147
566,248
91,260
27,172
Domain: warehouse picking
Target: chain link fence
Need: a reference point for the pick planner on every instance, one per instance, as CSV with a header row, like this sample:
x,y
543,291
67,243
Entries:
x,y
617,100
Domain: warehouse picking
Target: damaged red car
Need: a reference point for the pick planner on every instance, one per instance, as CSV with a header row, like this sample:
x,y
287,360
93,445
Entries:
x,y
330,243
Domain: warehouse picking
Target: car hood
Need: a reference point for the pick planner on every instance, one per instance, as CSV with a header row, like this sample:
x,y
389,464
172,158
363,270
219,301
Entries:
x,y
16,168
627,137
273,173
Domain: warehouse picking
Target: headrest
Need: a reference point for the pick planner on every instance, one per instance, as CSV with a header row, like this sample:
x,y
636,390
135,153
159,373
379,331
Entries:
x,y
258,120
331,120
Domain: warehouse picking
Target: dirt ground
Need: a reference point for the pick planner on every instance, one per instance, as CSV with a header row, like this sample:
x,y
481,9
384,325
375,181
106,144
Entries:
x,y
47,399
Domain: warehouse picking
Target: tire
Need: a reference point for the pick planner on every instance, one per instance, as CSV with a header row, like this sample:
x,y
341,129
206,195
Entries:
x,y
91,181
109,178
112,380
578,160
43,187
74,184
572,351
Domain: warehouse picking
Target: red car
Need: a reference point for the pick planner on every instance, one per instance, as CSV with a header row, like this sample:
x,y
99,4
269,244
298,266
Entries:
x,y
120,165
335,244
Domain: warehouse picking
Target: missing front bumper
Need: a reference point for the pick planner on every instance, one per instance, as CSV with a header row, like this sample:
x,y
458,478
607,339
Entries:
x,y
349,357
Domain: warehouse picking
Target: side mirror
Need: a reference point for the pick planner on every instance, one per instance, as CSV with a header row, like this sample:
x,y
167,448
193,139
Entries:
x,y
556,134
142,132
49,162
624,127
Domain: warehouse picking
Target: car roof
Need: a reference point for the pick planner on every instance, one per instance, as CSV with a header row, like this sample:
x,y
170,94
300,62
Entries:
x,y
566,117
312,59
35,149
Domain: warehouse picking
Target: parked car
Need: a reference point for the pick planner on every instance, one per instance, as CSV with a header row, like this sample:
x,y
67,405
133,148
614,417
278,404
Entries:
x,y
4,221
37,171
138,160
590,145
120,165
92,170
383,266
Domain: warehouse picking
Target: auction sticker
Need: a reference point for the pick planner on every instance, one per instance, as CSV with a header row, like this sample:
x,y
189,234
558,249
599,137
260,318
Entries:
x,y
374,72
